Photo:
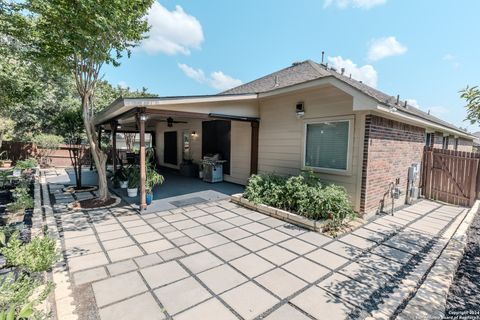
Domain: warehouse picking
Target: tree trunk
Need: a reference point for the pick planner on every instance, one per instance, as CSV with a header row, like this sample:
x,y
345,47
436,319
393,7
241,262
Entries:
x,y
99,157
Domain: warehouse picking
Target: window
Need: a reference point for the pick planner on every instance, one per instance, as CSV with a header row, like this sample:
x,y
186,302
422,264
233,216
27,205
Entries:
x,y
327,144
429,140
445,143
456,144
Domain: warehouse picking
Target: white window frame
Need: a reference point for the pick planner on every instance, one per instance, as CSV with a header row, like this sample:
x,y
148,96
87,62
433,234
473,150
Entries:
x,y
348,170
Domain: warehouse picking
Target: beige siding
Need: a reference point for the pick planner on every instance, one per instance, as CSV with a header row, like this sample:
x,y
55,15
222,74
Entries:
x,y
195,142
240,152
240,146
281,141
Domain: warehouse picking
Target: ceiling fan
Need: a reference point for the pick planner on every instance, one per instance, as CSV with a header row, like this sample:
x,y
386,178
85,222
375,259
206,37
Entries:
x,y
170,121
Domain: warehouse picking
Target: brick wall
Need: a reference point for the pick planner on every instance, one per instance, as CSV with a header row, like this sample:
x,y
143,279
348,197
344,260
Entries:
x,y
438,140
465,145
390,147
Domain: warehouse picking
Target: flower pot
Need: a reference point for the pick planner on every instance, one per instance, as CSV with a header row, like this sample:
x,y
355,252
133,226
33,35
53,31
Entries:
x,y
124,184
200,174
149,198
13,217
132,192
6,163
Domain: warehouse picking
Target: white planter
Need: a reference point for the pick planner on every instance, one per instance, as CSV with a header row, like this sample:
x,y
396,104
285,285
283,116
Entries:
x,y
200,174
124,184
132,192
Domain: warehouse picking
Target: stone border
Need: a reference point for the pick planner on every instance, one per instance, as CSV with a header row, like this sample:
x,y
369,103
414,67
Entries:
x,y
116,203
279,213
70,189
63,306
431,297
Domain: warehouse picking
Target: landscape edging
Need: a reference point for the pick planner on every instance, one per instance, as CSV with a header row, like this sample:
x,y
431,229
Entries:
x,y
279,213
441,275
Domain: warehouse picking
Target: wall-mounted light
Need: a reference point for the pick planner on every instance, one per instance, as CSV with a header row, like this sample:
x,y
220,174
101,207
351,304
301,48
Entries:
x,y
143,117
300,109
119,127
194,134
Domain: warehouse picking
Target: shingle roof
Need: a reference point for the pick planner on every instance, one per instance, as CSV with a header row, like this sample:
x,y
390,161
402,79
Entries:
x,y
309,70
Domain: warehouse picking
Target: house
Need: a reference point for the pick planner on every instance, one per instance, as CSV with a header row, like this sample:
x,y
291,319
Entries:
x,y
306,116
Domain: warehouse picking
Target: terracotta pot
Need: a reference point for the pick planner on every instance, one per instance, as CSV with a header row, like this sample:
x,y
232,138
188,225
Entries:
x,y
6,164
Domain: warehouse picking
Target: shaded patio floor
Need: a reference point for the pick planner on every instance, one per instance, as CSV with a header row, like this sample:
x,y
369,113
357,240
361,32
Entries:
x,y
176,191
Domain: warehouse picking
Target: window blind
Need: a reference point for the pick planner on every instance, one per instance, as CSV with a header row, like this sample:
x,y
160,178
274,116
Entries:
x,y
327,145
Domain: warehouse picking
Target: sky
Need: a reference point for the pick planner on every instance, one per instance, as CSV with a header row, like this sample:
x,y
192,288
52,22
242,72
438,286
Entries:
x,y
423,50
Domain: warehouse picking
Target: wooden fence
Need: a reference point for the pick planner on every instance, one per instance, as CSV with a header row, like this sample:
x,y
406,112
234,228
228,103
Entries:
x,y
450,176
23,150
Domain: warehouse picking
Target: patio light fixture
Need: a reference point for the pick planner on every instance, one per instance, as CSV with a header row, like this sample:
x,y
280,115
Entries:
x,y
194,134
143,117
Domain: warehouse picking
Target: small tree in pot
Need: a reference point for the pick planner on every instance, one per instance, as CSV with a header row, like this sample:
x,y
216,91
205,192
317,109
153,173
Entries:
x,y
153,179
133,180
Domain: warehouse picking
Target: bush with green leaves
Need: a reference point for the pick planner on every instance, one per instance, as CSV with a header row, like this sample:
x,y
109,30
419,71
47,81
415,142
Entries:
x,y
29,163
37,255
303,194
20,294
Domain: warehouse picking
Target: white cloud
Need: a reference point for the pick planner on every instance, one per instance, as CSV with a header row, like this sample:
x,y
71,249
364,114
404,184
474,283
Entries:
x,y
217,79
363,4
385,47
367,74
171,32
413,103
451,59
221,81
123,84
438,110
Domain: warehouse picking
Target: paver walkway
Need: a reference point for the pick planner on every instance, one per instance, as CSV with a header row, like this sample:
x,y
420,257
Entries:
x,y
222,261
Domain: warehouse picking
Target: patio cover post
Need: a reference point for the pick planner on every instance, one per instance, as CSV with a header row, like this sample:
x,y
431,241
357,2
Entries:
x,y
254,148
113,126
142,118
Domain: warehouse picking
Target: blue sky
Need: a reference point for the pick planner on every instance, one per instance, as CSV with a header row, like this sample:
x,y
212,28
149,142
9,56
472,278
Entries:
x,y
422,50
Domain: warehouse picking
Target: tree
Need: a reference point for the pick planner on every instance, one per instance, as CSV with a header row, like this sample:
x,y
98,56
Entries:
x,y
79,37
70,126
6,129
472,96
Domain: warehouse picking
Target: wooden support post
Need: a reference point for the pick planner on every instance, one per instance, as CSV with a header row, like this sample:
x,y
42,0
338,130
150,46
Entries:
x,y
113,126
254,148
142,118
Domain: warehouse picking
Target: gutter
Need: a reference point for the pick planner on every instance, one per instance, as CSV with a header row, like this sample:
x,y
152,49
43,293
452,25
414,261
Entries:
x,y
421,121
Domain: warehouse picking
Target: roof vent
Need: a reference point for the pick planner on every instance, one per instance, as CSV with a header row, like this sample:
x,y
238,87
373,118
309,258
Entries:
x,y
276,84
296,63
333,69
342,71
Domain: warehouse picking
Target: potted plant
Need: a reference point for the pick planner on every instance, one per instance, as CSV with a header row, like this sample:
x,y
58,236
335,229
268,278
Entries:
x,y
4,161
133,181
153,179
200,170
120,178
16,210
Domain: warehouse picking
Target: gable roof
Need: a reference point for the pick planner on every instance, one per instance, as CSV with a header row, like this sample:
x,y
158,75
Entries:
x,y
309,70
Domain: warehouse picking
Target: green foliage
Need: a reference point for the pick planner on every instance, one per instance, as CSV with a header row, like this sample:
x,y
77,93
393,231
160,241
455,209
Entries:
x,y
302,194
37,255
153,178
6,129
472,96
133,176
47,141
22,200
19,296
29,163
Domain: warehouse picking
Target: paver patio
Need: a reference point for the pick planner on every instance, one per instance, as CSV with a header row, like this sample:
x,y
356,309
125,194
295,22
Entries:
x,y
220,261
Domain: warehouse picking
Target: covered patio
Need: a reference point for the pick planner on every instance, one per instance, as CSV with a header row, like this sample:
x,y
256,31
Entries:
x,y
184,130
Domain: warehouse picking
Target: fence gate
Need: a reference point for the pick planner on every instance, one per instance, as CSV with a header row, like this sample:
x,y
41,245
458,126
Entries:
x,y
450,176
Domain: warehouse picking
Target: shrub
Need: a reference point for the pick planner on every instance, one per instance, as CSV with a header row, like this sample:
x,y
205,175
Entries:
x,y
38,255
303,194
20,295
29,163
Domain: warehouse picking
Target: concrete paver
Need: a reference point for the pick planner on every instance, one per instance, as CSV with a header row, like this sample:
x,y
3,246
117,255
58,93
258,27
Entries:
x,y
219,260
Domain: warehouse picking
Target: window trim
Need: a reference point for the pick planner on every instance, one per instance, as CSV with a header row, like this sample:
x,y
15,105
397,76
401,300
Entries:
x,y
348,170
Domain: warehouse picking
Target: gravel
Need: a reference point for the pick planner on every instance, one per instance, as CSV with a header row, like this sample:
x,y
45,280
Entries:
x,y
464,292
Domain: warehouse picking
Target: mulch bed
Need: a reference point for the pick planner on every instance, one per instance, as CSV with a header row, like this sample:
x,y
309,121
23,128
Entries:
x,y
93,203
75,189
464,292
